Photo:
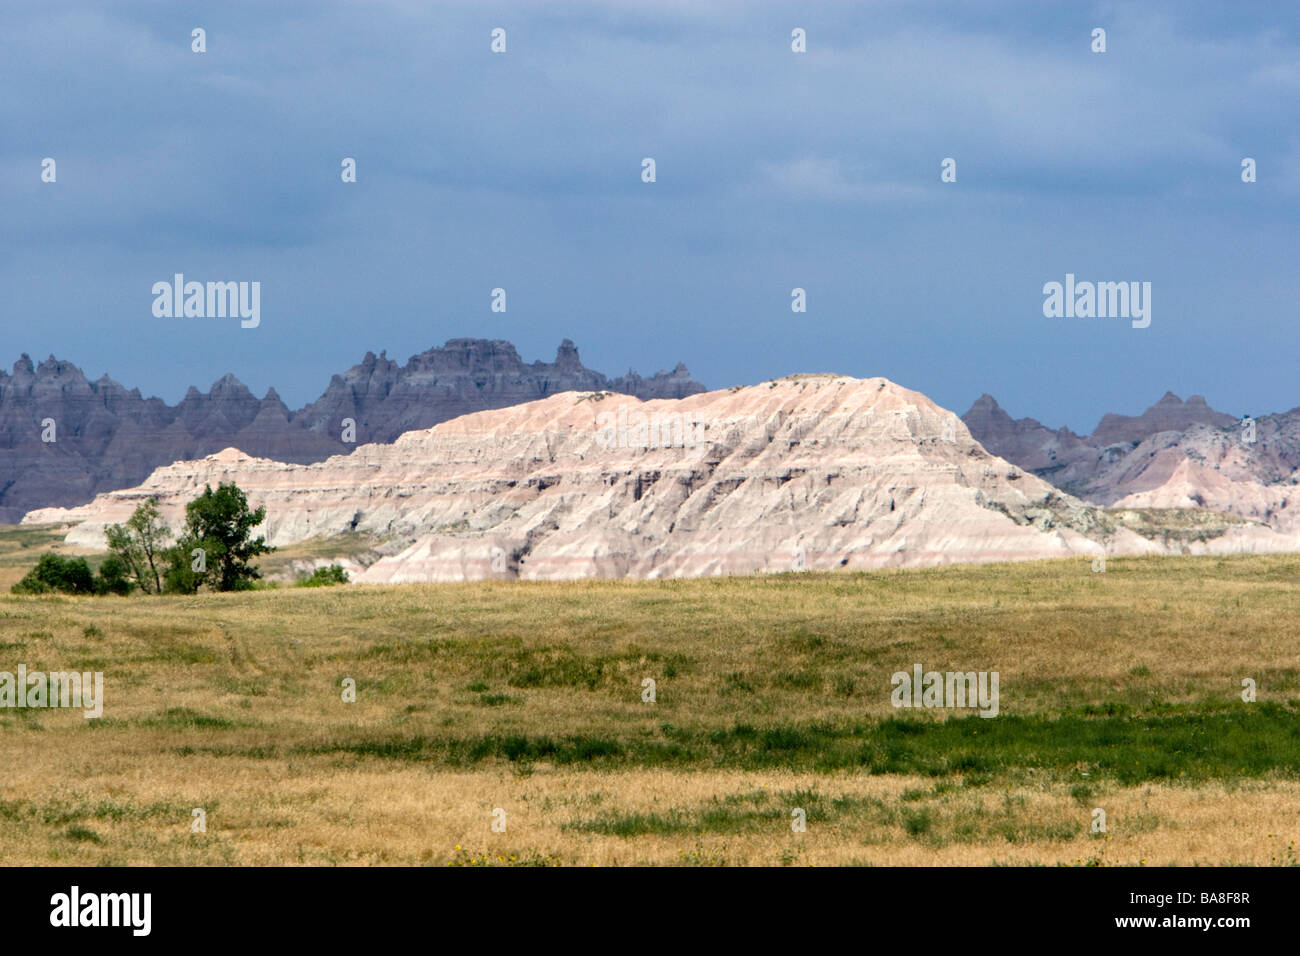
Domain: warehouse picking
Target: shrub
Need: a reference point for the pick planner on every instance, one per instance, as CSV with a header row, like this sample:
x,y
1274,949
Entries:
x,y
324,577
54,573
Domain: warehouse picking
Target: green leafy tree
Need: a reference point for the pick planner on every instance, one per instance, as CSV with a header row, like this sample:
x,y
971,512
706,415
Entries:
x,y
183,575
54,573
217,544
140,544
113,577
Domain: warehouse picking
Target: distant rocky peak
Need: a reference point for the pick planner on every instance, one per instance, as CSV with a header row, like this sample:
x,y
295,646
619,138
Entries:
x,y
986,406
57,368
115,437
1171,413
228,388
566,357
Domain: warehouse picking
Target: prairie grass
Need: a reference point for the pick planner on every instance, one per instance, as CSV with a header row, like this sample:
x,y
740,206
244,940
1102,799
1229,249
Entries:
x,y
1119,690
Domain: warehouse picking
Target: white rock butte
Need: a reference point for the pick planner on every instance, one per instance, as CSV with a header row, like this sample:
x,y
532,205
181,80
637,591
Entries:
x,y
809,472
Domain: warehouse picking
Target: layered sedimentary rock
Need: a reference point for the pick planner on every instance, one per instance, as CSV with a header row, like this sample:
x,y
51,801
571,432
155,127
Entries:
x,y
1175,455
810,472
107,437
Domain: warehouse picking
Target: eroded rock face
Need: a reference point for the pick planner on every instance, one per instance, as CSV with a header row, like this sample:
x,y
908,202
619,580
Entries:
x,y
1025,441
1171,413
1175,455
108,437
816,472
464,376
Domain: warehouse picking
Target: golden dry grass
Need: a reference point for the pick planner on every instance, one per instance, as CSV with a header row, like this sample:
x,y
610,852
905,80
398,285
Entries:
x,y
232,703
113,812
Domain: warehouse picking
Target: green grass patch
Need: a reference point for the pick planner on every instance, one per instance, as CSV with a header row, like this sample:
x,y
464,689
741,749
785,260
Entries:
x,y
1249,741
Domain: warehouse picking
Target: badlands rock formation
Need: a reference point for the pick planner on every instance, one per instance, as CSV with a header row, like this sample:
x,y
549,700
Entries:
x,y
108,437
1025,441
1175,455
465,375
816,472
1170,414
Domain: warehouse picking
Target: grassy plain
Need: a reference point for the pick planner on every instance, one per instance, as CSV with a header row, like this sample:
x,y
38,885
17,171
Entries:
x,y
1119,690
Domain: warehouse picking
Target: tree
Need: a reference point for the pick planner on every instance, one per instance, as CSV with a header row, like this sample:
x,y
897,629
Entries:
x,y
55,573
139,545
216,545
113,577
184,574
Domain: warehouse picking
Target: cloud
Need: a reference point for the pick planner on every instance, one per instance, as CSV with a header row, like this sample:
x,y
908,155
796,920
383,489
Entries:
x,y
829,180
775,169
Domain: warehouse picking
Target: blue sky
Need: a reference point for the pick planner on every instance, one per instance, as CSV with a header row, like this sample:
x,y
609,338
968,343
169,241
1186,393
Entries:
x,y
775,170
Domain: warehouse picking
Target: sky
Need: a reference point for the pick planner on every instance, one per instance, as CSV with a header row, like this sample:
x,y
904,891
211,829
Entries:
x,y
774,170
